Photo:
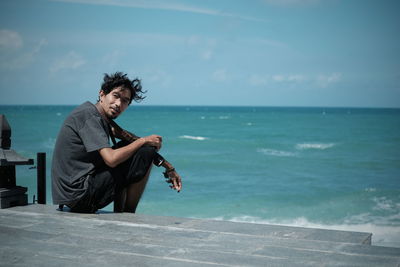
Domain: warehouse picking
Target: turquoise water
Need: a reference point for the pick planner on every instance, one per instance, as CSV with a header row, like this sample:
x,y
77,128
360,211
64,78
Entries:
x,y
336,168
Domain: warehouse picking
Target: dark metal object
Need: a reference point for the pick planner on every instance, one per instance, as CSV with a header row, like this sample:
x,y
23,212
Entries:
x,y
10,194
41,177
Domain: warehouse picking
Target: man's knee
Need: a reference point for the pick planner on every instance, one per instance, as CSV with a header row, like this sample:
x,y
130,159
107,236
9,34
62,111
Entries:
x,y
140,163
146,152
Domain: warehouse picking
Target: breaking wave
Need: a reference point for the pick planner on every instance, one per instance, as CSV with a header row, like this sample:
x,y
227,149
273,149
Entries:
x,y
276,153
320,146
200,138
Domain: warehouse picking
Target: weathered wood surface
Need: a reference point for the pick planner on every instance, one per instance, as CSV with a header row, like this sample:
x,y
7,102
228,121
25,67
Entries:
x,y
39,235
9,157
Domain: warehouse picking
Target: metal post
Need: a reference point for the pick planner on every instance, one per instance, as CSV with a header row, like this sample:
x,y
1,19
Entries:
x,y
41,177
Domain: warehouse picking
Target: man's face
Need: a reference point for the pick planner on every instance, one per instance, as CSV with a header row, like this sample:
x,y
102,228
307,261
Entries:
x,y
115,102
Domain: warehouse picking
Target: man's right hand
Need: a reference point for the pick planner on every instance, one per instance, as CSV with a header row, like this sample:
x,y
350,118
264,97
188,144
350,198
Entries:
x,y
153,140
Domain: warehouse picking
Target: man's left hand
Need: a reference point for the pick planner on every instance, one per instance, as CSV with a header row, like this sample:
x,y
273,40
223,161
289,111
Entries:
x,y
175,180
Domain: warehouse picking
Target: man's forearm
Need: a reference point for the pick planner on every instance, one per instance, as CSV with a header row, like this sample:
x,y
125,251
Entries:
x,y
113,157
167,165
130,137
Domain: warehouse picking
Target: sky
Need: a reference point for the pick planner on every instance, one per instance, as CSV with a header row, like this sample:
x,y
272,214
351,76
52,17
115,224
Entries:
x,y
325,53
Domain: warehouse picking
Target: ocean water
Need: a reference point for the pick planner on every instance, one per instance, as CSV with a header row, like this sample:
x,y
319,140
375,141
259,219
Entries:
x,y
334,168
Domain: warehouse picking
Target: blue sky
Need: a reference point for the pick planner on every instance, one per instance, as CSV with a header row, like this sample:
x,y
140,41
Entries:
x,y
210,52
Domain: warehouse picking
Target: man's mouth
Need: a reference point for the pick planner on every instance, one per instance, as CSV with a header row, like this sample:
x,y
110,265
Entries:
x,y
114,111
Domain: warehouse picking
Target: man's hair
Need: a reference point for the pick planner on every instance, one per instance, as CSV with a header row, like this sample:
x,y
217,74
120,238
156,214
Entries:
x,y
120,79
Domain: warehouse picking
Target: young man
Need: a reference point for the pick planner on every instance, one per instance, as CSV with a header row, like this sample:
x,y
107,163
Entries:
x,y
87,172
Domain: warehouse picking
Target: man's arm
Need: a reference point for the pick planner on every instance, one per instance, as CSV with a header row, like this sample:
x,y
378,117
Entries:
x,y
122,134
113,157
170,173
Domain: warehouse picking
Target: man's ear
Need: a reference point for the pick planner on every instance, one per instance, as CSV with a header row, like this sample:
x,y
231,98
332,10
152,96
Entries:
x,y
101,94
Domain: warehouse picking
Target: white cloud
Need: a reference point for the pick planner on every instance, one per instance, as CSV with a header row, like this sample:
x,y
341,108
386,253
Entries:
x,y
112,58
268,42
322,81
158,76
287,78
290,3
206,55
70,61
30,56
326,80
296,78
10,40
278,78
14,54
258,80
193,40
220,75
150,4
164,5
208,46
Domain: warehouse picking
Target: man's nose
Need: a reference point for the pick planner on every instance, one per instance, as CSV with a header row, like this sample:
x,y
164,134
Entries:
x,y
118,102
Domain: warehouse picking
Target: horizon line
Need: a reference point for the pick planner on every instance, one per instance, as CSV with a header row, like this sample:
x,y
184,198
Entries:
x,y
204,105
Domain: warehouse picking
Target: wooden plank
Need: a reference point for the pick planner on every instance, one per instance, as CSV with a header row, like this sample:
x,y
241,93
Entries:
x,y
2,155
12,201
38,235
9,157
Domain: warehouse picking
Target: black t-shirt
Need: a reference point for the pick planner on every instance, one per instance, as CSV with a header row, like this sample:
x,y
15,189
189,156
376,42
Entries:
x,y
76,154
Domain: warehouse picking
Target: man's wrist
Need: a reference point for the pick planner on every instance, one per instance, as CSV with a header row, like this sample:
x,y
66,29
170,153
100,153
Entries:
x,y
167,172
144,141
167,165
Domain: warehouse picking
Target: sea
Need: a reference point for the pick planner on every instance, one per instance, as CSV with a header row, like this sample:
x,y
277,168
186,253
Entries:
x,y
331,168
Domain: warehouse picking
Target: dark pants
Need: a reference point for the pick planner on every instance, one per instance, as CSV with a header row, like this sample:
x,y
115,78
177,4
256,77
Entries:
x,y
106,182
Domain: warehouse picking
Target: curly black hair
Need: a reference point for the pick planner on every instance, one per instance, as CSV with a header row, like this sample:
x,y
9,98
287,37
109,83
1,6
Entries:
x,y
120,79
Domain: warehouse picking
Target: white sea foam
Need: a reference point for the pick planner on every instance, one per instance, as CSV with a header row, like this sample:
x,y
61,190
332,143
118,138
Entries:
x,y
276,153
224,117
320,146
200,138
370,189
382,235
49,143
384,204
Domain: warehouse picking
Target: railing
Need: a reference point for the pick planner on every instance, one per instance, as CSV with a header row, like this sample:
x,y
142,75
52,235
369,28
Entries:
x,y
11,194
